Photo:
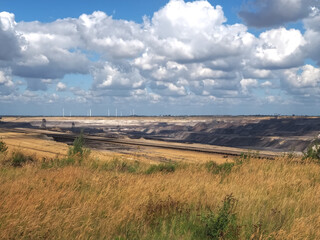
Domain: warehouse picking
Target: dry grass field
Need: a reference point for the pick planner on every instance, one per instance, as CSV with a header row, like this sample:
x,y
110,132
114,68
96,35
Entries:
x,y
118,196
40,146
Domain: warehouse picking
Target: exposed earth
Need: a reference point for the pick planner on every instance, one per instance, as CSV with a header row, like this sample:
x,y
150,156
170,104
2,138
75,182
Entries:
x,y
285,134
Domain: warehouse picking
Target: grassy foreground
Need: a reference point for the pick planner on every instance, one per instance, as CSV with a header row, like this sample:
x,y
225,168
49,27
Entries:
x,y
82,198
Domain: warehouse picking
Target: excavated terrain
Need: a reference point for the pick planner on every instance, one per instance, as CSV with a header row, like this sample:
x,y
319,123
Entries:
x,y
258,133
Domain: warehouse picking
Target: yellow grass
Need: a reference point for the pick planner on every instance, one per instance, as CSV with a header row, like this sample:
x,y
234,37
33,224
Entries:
x,y
33,144
77,202
37,144
277,199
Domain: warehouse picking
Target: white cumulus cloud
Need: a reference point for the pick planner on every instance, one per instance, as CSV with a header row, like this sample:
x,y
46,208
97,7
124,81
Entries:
x,y
306,76
10,40
279,48
186,53
61,86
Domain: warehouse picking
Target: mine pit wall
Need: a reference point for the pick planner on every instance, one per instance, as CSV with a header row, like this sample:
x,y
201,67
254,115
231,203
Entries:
x,y
259,133
276,134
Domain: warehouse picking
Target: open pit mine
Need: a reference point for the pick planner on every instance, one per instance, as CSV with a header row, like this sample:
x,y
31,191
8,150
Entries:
x,y
276,134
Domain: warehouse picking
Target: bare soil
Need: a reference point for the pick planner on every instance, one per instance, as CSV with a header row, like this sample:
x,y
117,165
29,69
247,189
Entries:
x,y
283,134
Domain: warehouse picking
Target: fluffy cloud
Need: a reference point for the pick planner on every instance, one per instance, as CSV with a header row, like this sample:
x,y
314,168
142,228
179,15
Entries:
x,y
41,50
51,51
304,77
266,84
279,48
247,84
186,53
54,63
303,83
268,13
9,38
5,79
168,89
6,83
116,80
110,38
61,87
195,31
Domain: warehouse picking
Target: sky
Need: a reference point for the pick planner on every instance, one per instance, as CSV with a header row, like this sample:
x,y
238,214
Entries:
x,y
176,57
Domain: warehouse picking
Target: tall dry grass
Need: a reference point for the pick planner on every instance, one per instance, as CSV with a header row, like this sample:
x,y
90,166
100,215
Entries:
x,y
277,199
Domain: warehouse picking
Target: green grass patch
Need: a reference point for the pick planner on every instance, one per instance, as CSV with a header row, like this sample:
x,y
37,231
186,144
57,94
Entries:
x,y
3,147
224,168
57,162
163,168
18,159
313,151
120,166
170,219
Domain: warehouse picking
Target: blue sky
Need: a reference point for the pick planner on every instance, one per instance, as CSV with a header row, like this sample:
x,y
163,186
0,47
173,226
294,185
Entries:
x,y
159,57
134,10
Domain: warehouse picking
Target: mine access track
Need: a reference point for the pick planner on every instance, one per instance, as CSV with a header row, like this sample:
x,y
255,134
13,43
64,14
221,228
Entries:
x,y
169,145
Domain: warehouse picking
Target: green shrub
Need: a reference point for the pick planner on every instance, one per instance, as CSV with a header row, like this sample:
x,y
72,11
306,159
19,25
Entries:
x,y
163,167
78,145
18,159
313,151
3,152
78,152
222,225
224,168
3,147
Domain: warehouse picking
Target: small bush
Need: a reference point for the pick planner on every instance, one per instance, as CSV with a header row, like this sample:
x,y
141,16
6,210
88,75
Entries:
x,y
224,168
18,159
78,152
3,147
163,167
222,225
313,151
3,152
78,145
